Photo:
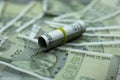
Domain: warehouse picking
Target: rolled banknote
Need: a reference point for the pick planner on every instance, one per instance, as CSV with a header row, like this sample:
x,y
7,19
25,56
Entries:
x,y
61,35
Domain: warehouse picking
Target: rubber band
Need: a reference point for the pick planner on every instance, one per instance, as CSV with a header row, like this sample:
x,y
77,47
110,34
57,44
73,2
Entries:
x,y
64,33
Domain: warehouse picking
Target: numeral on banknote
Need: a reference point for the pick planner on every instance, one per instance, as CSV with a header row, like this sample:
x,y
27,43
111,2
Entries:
x,y
18,52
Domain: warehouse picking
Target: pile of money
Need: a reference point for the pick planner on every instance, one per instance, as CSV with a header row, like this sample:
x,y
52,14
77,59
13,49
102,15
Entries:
x,y
94,55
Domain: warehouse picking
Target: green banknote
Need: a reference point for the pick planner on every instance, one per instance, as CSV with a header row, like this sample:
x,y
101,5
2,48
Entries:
x,y
35,10
17,17
26,54
69,6
104,30
82,65
108,10
111,47
113,19
8,73
87,37
101,47
95,13
7,12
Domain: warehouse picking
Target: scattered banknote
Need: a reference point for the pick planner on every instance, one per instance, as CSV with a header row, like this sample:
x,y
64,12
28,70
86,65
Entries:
x,y
111,47
81,65
105,30
88,37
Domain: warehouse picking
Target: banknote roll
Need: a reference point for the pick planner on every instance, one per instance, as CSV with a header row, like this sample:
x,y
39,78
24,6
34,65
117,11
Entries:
x,y
61,35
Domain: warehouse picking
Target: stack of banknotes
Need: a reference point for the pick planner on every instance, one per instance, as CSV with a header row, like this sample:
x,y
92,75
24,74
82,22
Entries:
x,y
93,56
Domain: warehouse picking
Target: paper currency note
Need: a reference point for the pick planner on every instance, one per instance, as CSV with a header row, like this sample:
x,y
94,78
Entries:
x,y
71,17
96,12
104,30
8,73
35,10
111,47
107,11
86,37
11,22
114,19
26,52
68,5
87,66
6,13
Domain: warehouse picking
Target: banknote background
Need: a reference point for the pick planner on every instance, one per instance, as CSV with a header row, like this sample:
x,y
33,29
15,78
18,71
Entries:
x,y
93,56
